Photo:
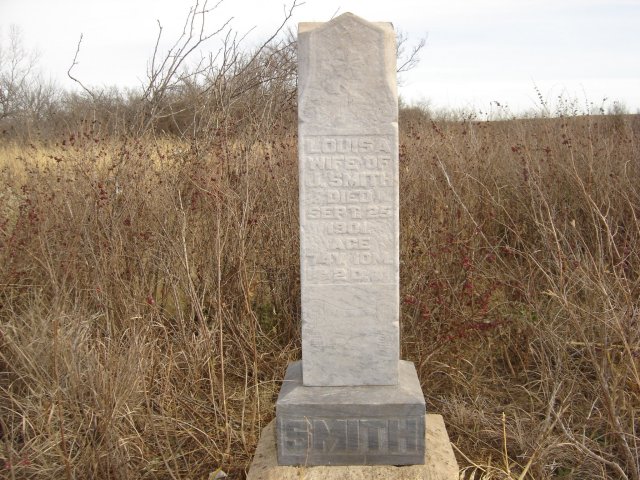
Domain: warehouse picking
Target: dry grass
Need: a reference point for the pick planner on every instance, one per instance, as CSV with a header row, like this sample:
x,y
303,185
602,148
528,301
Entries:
x,y
149,297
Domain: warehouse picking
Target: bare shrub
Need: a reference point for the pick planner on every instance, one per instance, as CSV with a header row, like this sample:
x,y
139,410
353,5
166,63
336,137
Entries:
x,y
146,267
521,281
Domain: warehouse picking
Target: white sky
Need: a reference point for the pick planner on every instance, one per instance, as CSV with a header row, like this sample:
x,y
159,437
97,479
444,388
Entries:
x,y
477,51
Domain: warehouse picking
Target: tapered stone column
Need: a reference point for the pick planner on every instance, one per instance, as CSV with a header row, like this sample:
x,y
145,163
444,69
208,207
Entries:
x,y
348,160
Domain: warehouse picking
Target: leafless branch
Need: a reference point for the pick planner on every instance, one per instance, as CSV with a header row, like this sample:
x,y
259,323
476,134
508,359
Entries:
x,y
408,61
73,64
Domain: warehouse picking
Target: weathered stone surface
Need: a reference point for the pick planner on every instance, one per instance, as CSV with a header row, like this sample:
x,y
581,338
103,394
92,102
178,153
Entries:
x,y
361,425
348,149
440,462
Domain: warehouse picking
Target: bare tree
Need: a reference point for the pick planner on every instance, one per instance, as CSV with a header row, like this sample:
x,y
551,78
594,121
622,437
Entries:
x,y
179,92
16,70
26,97
224,75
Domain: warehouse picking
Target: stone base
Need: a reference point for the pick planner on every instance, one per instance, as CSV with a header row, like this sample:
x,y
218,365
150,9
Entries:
x,y
440,462
354,425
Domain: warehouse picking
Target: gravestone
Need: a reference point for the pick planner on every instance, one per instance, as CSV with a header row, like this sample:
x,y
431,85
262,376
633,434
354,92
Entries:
x,y
351,409
350,401
348,160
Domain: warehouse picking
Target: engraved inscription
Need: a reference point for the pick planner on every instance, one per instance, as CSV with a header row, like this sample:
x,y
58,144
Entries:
x,y
348,221
345,436
348,166
346,144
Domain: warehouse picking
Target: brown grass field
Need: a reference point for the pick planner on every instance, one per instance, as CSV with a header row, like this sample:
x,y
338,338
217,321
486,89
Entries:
x,y
149,296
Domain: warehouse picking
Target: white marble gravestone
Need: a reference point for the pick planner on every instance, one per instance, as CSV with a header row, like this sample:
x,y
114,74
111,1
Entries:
x,y
351,401
348,157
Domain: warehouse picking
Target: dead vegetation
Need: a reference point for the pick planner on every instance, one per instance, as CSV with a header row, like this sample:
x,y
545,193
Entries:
x,y
521,274
150,297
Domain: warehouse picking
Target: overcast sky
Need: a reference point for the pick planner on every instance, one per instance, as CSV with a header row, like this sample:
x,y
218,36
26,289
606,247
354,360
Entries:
x,y
477,51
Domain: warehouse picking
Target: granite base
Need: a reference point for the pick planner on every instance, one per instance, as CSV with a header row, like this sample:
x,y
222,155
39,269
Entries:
x,y
356,425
